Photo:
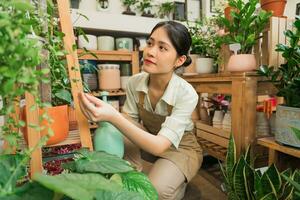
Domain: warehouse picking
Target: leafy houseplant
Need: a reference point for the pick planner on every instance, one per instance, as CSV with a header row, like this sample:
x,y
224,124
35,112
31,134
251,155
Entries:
x,y
165,9
287,80
93,175
244,28
145,7
244,182
20,51
129,4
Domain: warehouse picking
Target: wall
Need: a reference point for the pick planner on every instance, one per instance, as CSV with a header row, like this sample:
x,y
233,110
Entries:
x,y
290,9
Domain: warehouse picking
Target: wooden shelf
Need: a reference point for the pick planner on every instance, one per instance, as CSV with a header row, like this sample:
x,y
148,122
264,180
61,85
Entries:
x,y
270,143
119,92
105,55
73,138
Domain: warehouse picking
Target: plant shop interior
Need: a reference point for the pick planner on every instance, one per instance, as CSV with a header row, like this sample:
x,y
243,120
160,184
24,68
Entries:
x,y
150,100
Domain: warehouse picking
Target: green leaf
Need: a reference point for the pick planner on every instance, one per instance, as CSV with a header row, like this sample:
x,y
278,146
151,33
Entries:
x,y
296,132
230,159
64,95
100,162
274,176
238,178
22,5
77,186
139,182
124,195
34,191
269,196
12,168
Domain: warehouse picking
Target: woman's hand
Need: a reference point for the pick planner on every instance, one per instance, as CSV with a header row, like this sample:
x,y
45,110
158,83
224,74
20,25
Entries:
x,y
96,110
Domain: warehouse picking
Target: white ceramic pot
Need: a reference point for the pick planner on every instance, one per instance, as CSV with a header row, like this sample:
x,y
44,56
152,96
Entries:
x,y
191,69
103,6
241,63
124,81
204,65
109,76
89,5
106,43
124,44
91,44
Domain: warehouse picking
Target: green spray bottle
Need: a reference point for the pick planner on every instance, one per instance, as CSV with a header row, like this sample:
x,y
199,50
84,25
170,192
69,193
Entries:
x,y
107,137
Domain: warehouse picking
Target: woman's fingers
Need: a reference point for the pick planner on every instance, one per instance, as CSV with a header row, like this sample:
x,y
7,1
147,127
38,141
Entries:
x,y
93,99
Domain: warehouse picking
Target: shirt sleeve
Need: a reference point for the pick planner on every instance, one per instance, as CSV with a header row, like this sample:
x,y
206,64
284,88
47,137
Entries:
x,y
175,125
130,107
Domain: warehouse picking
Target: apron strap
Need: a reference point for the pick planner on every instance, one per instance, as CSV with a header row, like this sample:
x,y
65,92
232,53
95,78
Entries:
x,y
141,99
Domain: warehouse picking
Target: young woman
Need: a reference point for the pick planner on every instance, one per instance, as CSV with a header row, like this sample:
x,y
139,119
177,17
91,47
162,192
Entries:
x,y
158,111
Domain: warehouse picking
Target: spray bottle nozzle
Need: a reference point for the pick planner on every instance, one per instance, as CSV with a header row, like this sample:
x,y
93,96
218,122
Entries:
x,y
104,95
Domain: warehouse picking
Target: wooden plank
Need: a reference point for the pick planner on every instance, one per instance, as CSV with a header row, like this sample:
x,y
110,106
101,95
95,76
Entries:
x,y
273,157
135,62
272,144
32,118
212,138
220,87
73,70
237,113
249,112
106,55
266,88
281,37
73,138
273,55
265,48
213,130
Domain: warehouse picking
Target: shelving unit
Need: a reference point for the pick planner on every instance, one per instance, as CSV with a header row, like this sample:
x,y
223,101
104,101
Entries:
x,y
244,88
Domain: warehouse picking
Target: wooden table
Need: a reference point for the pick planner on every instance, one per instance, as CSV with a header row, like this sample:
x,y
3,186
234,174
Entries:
x,y
275,149
243,88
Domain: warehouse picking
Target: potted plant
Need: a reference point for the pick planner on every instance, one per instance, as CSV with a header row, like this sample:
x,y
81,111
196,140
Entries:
x,y
166,9
21,51
274,6
128,4
287,80
145,7
244,29
243,181
204,45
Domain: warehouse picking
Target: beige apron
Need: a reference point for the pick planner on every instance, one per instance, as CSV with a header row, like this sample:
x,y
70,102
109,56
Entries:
x,y
188,156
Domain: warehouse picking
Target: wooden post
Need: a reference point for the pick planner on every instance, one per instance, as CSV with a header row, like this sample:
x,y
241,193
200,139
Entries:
x,y
33,135
73,70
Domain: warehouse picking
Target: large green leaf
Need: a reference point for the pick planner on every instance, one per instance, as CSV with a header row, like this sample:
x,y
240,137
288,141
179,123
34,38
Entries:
x,y
274,176
100,162
258,188
78,186
296,132
230,159
269,196
124,195
139,182
12,168
238,179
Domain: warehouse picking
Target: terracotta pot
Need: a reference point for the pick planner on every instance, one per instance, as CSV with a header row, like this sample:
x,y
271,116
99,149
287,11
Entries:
x,y
275,6
59,126
241,63
109,77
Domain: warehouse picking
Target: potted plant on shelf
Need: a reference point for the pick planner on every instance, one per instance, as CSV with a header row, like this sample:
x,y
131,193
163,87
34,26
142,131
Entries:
x,y
287,80
166,9
244,29
274,6
145,7
205,47
128,4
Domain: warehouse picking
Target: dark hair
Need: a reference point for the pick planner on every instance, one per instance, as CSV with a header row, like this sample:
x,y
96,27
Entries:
x,y
179,36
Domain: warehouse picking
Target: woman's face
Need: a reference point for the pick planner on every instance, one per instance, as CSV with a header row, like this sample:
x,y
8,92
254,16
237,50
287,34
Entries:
x,y
160,56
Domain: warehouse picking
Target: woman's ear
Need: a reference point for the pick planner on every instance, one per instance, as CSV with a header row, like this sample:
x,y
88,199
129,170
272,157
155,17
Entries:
x,y
180,60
